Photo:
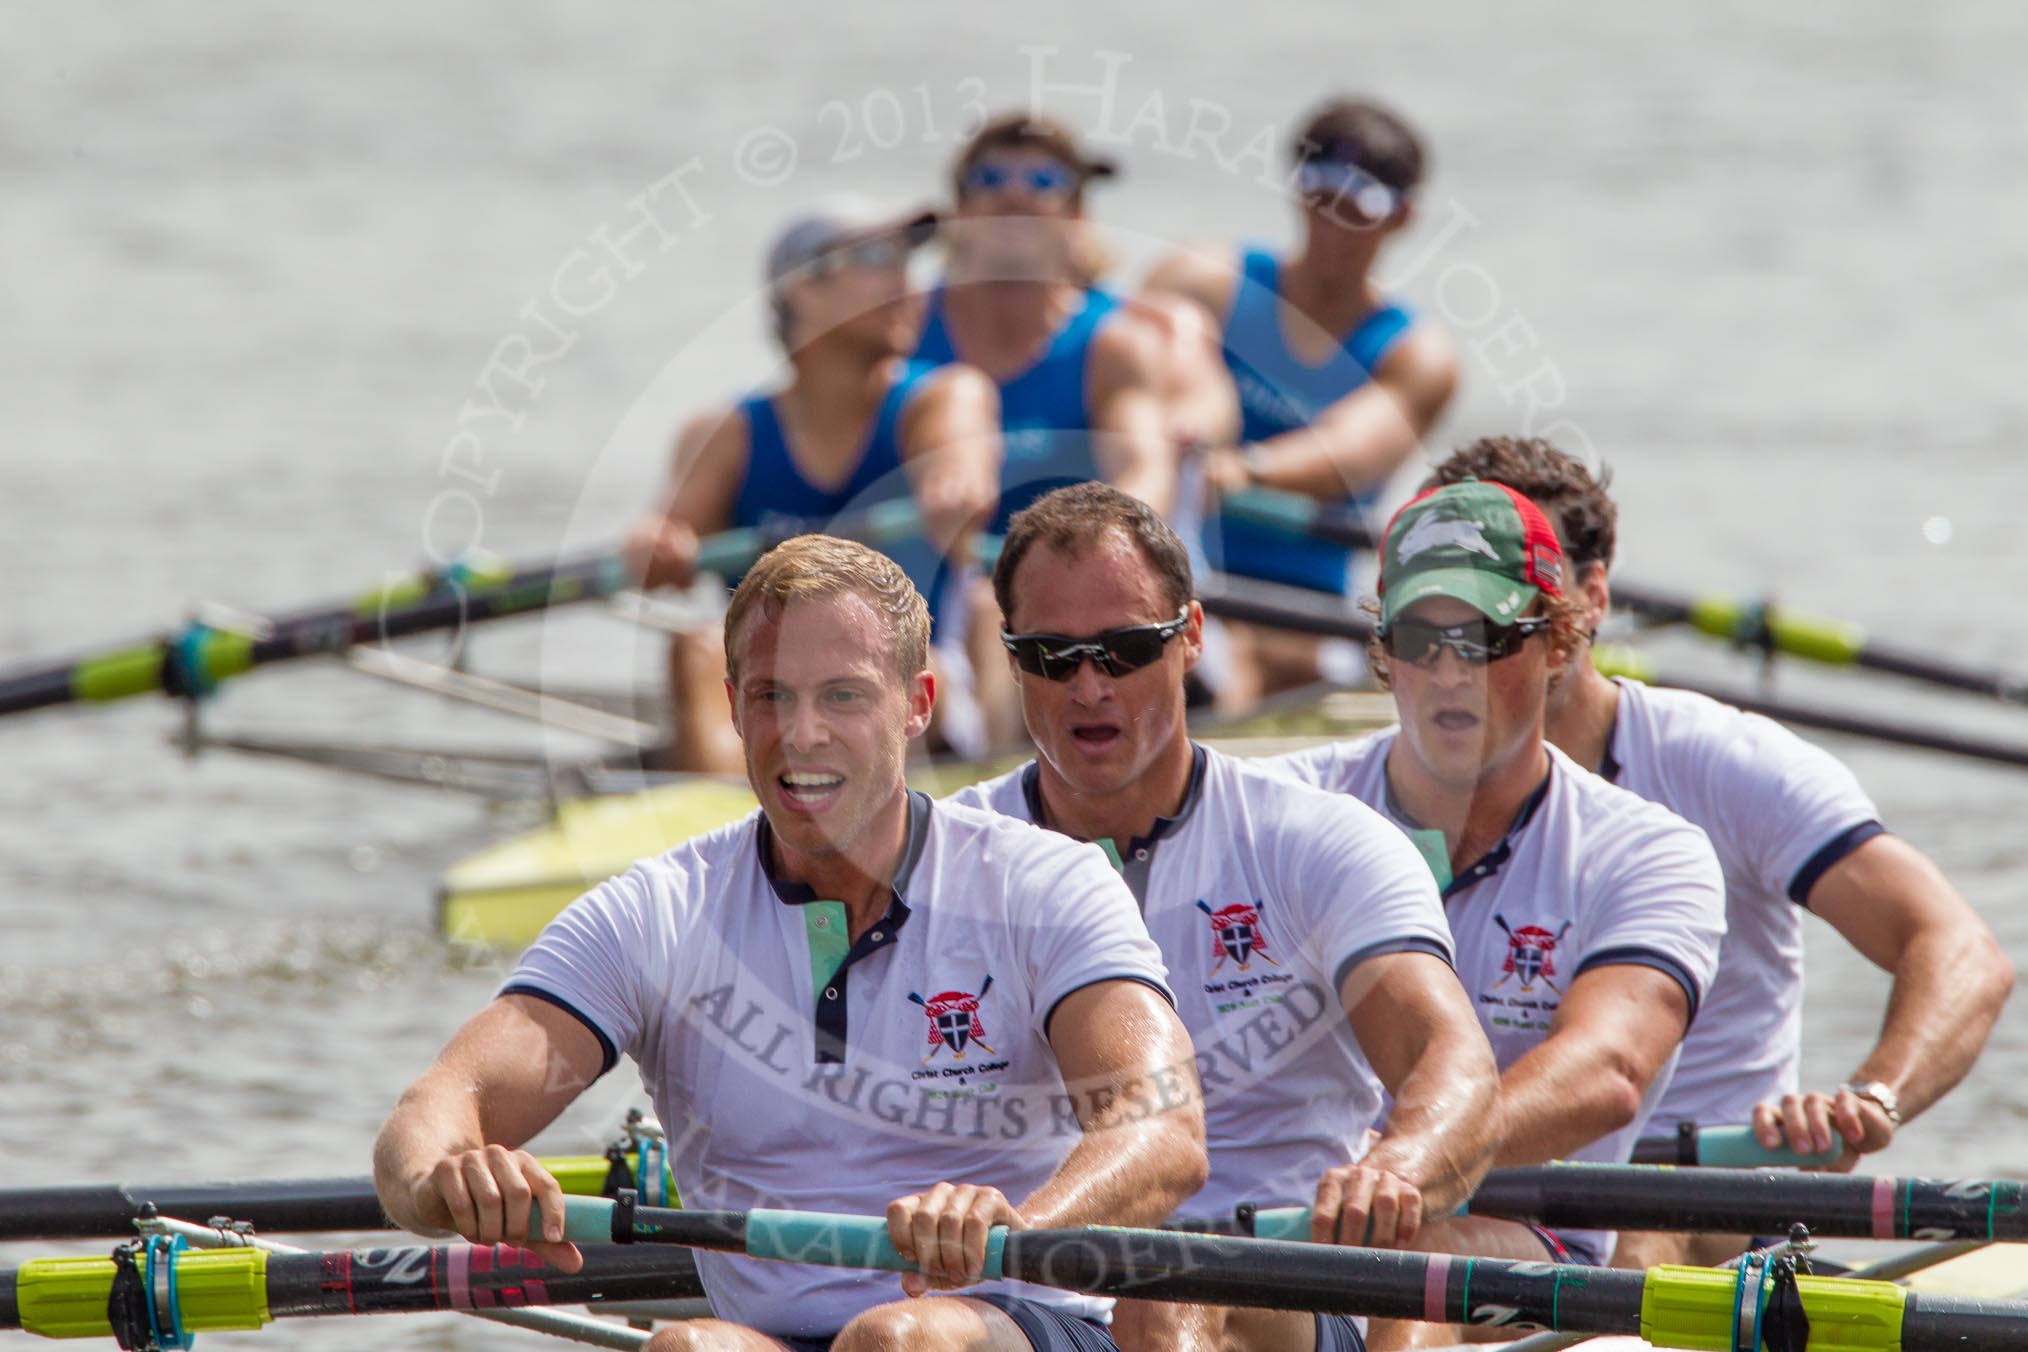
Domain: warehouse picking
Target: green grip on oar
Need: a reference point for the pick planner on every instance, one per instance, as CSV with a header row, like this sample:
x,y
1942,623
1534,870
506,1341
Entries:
x,y
728,552
1695,1307
1836,642
734,551
1282,1222
586,1220
1738,1148
842,1241
215,1291
586,1174
1291,512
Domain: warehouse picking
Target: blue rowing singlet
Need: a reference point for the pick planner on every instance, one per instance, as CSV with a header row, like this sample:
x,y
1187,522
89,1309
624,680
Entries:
x,y
1045,413
1278,393
776,497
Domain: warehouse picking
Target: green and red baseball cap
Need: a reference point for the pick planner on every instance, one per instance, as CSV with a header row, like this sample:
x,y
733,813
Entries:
x,y
1477,542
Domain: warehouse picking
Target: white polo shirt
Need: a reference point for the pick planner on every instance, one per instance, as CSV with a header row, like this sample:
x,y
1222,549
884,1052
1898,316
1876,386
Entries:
x,y
1263,895
1587,876
1780,813
793,1069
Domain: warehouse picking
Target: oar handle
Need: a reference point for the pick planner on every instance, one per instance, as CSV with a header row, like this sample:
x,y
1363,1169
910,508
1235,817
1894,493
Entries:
x,y
586,1220
1738,1148
843,1241
788,1236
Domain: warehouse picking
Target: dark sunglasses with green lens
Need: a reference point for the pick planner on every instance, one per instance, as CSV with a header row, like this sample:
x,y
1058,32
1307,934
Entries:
x,y
1115,652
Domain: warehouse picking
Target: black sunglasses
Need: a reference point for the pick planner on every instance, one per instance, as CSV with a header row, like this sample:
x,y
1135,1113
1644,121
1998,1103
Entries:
x,y
1476,641
1115,652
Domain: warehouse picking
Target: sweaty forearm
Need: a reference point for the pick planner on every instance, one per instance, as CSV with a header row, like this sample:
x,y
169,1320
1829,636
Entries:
x,y
1123,1173
1443,1130
1948,991
1561,1097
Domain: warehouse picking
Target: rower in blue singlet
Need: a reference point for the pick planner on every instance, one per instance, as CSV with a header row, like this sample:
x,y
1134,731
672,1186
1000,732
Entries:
x,y
855,426
1337,382
1045,411
1281,392
778,497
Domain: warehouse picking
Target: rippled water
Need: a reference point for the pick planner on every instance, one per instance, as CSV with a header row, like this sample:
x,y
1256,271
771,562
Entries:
x,y
256,261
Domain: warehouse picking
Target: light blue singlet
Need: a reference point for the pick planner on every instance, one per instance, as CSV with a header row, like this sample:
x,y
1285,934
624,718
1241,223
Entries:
x,y
1278,393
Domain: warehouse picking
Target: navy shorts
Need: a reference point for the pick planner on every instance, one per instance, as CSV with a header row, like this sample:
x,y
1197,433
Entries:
x,y
1564,1248
1339,1333
1047,1329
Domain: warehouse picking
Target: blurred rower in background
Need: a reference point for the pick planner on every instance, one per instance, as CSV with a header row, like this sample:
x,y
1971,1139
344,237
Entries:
x,y
1092,387
1338,384
855,425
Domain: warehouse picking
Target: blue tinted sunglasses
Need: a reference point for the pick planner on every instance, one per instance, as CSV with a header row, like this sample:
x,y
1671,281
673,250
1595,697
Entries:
x,y
1043,180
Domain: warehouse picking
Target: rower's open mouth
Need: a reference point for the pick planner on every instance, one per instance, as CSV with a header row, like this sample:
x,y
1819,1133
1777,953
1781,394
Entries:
x,y
810,788
1096,736
1455,720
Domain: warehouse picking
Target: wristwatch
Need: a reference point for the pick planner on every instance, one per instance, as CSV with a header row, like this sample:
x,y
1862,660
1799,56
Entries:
x,y
1879,1094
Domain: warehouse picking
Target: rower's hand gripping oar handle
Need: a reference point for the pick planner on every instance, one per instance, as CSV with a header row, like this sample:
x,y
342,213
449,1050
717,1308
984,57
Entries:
x,y
1726,1148
1739,1148
843,1241
787,1236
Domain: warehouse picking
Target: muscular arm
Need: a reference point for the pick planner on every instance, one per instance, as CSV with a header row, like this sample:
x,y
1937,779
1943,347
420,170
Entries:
x,y
1610,1037
1416,1026
447,1158
1129,415
1132,1077
704,475
950,444
1950,981
1357,443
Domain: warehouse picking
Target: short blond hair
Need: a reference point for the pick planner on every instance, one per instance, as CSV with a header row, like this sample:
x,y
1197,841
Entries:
x,y
820,567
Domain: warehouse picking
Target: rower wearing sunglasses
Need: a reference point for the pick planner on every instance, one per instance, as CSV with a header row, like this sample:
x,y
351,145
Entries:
x,y
1338,383
1090,387
1303,935
856,425
1796,834
1586,919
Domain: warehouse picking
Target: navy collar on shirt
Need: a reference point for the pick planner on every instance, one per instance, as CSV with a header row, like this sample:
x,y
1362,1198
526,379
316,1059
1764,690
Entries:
x,y
1494,859
831,1016
801,894
1193,792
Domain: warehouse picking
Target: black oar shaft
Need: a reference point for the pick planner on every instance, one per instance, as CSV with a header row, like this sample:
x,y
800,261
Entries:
x,y
112,1208
465,1277
1272,1274
1608,1197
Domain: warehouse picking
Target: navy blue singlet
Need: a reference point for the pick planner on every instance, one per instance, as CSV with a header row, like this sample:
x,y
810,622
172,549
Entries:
x,y
776,497
1045,412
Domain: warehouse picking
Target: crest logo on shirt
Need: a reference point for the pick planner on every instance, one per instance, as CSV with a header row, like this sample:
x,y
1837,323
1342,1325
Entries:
x,y
1528,955
954,1022
1237,934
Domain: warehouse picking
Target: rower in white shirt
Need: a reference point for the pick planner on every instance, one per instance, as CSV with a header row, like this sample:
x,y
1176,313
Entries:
x,y
1794,832
855,1000
1303,934
1586,920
